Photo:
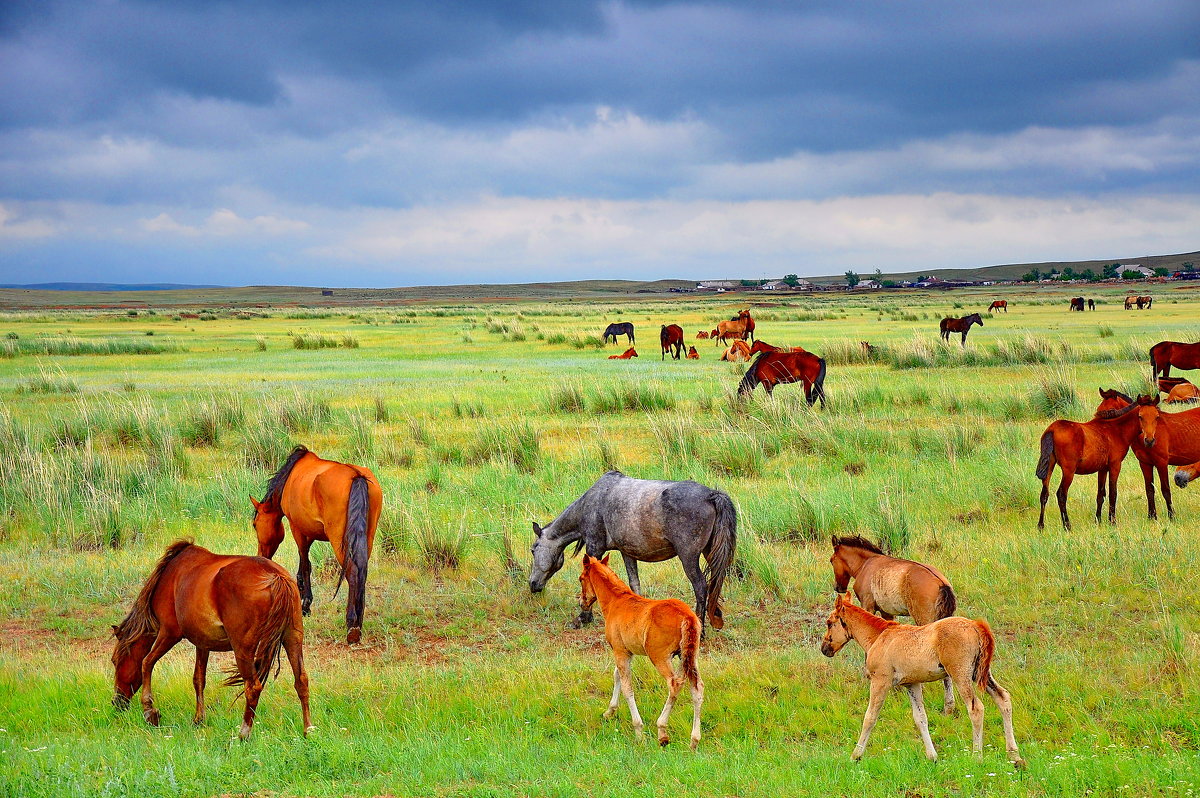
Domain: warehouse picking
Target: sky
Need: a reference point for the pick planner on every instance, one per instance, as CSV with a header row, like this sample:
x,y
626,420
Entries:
x,y
411,143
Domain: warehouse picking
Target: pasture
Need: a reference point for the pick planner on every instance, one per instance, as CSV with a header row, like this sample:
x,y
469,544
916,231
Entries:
x,y
120,433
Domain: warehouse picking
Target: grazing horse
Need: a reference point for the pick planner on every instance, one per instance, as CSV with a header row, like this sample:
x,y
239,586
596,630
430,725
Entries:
x,y
1130,301
963,325
217,602
702,335
737,352
647,520
1091,304
714,333
323,500
1091,447
670,337
775,368
692,353
1165,354
619,328
657,629
999,304
1164,439
891,586
741,328
898,654
869,348
1077,304
628,353
1144,302
763,346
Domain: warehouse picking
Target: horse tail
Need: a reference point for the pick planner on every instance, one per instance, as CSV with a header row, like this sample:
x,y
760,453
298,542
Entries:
x,y
1046,461
721,549
272,627
750,380
689,646
355,551
982,670
946,603
818,386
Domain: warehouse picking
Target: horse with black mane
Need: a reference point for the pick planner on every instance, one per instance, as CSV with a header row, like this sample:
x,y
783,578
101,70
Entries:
x,y
1077,303
775,368
963,325
670,337
619,328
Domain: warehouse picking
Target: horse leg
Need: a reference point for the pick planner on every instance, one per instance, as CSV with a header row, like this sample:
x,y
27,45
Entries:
x,y
1045,496
1113,472
948,707
252,688
304,576
612,705
198,678
626,675
293,644
1148,478
162,644
921,719
674,683
1063,488
879,691
964,339
1004,704
691,569
966,689
1165,485
631,573
1100,477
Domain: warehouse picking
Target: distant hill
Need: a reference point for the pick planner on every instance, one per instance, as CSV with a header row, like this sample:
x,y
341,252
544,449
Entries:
x,y
108,286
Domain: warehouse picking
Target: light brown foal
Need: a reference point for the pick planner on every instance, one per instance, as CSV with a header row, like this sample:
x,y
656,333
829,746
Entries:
x,y
909,656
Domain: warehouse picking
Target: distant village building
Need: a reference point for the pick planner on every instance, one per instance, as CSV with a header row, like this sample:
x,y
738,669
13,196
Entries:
x,y
774,285
716,285
1135,267
861,284
326,292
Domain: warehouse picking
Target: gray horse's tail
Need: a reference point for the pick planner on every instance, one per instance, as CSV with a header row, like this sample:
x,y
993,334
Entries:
x,y
721,549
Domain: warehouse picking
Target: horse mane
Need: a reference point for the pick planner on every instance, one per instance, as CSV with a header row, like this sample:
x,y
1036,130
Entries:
x,y
141,621
1117,413
279,478
610,578
871,619
857,542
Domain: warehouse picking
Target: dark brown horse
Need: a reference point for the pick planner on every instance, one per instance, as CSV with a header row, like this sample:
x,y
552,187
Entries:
x,y
963,325
1145,302
1165,439
1165,354
774,368
323,500
1091,447
1091,304
217,602
671,339
618,328
999,304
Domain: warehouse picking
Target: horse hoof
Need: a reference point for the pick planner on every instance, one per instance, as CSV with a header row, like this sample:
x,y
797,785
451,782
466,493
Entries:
x,y
576,624
308,729
353,636
306,609
608,714
152,716
663,741
1019,763
244,732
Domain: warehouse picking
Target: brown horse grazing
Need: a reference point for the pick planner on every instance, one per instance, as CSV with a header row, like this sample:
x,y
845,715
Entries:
x,y
692,353
740,328
737,352
763,346
1129,301
702,335
217,602
775,368
671,338
1077,304
963,325
999,304
898,654
1165,439
1091,304
628,353
1145,302
1091,447
323,500
891,586
1165,354
658,629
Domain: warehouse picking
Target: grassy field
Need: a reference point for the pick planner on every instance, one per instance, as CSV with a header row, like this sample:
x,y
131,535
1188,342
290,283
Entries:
x,y
121,432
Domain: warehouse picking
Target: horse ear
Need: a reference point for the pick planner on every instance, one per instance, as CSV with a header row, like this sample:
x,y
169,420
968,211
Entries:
x,y
604,560
537,530
254,502
115,631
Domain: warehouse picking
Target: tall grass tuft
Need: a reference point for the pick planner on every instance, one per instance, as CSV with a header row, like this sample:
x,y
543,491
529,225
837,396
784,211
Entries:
x,y
70,345
515,443
1053,394
48,381
300,412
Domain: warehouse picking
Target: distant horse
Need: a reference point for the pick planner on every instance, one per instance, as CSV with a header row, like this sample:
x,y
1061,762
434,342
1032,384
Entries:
x,y
1165,354
671,338
1077,304
323,500
1164,439
657,629
898,654
739,328
763,346
737,352
628,353
891,586
1091,304
963,325
1092,447
869,348
692,353
714,333
217,602
775,368
702,335
1184,393
999,304
619,328
1130,301
647,520
1145,302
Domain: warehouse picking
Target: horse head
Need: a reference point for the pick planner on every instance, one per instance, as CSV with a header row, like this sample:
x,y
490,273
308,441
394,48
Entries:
x,y
1148,414
127,663
548,553
837,634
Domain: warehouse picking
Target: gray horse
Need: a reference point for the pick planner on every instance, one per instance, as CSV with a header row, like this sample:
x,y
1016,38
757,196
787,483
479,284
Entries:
x,y
649,521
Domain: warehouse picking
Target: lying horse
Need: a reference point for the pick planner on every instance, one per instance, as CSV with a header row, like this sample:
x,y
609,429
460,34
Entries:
x,y
1178,390
737,352
1185,474
248,605
692,353
702,335
774,368
649,521
657,629
619,328
1165,354
999,304
670,337
628,353
963,325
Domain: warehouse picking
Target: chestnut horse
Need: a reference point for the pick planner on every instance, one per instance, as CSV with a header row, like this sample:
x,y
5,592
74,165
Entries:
x,y
217,602
1145,302
1165,354
740,328
702,335
1129,301
763,346
898,654
1178,390
323,500
999,304
774,368
628,353
737,351
1091,447
963,325
692,353
1165,439
891,586
1077,304
657,629
670,337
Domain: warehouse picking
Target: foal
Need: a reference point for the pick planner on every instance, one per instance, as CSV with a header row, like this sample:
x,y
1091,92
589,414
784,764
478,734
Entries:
x,y
658,629
898,654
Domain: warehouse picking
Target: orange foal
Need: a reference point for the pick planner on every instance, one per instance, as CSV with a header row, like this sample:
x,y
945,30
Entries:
x,y
658,629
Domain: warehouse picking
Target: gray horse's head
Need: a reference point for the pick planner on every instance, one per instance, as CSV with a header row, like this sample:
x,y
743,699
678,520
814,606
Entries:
x,y
548,557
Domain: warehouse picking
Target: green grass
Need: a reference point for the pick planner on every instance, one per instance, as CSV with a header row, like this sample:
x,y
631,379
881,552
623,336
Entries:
x,y
469,685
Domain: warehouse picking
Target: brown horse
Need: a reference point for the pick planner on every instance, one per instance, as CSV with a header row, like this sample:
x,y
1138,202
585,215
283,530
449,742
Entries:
x,y
1129,301
1165,354
775,368
1165,439
702,335
891,586
737,352
1091,447
217,602
323,500
628,353
692,353
1178,390
1077,304
963,325
739,328
898,654
763,346
1145,302
1091,304
671,338
999,304
658,629
1185,474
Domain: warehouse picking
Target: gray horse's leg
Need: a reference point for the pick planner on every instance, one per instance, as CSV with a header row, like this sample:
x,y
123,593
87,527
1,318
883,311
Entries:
x,y
691,568
631,573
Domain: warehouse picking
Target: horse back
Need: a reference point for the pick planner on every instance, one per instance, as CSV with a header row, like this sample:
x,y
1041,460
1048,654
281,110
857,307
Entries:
x,y
646,626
